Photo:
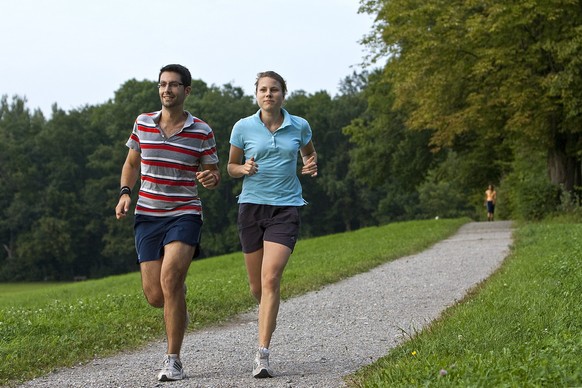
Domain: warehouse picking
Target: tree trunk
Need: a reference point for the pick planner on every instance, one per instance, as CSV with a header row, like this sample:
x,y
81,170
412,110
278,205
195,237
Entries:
x,y
564,170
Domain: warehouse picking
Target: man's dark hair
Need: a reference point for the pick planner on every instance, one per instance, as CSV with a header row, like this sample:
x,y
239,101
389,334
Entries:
x,y
275,76
182,70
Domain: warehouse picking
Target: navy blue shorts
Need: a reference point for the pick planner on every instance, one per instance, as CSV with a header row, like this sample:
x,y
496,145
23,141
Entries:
x,y
153,233
258,223
490,207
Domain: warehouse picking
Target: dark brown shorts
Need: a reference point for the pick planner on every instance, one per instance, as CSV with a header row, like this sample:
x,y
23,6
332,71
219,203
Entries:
x,y
258,223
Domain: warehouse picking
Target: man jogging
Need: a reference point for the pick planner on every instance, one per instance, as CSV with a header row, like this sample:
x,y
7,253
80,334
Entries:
x,y
174,152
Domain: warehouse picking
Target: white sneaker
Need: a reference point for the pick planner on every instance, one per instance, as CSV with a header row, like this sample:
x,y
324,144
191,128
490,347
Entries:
x,y
172,370
261,368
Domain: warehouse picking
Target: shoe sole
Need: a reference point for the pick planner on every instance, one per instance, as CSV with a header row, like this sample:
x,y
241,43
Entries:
x,y
166,378
263,373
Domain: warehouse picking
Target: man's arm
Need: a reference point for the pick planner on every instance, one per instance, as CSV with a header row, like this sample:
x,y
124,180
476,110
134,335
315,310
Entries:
x,y
209,177
129,174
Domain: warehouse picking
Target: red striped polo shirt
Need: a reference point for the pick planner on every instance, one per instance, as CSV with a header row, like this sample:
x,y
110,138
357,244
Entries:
x,y
169,165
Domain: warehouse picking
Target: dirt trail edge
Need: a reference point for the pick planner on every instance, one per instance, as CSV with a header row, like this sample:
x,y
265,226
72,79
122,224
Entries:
x,y
323,335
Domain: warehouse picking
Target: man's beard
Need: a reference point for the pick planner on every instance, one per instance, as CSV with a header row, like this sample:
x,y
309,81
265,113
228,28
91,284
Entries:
x,y
170,103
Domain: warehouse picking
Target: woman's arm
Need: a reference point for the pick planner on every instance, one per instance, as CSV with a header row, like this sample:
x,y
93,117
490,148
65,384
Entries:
x,y
236,168
309,157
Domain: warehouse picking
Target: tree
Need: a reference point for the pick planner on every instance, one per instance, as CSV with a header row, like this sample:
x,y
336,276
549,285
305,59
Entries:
x,y
502,71
20,178
388,158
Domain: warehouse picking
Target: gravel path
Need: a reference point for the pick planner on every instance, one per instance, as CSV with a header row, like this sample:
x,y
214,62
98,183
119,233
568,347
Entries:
x,y
323,335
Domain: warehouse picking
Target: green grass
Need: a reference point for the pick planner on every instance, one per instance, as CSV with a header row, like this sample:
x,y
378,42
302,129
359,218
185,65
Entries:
x,y
12,288
521,328
51,326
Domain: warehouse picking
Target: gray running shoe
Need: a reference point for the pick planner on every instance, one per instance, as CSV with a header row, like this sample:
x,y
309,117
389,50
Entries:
x,y
261,368
171,370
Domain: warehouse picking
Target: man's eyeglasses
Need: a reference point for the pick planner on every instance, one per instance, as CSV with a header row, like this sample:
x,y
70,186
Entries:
x,y
172,85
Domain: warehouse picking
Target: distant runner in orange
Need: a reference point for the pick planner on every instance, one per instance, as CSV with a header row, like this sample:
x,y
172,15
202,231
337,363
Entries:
x,y
490,199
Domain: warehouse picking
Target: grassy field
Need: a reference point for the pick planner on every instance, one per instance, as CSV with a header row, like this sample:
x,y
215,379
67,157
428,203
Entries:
x,y
46,326
521,328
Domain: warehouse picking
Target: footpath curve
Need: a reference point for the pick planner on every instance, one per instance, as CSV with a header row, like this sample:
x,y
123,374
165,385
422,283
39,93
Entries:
x,y
323,335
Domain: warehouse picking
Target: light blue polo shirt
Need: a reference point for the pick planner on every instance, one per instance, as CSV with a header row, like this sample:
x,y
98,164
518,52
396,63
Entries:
x,y
276,183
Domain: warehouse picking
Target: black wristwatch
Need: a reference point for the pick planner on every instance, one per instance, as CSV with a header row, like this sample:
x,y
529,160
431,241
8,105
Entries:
x,y
124,190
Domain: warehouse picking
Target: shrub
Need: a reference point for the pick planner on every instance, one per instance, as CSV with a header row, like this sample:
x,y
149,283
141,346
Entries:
x,y
528,191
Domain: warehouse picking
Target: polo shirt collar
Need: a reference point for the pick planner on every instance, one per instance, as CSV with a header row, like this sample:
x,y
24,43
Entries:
x,y
189,119
286,117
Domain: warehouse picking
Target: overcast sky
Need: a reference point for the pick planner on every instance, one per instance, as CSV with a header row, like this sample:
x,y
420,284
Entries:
x,y
74,53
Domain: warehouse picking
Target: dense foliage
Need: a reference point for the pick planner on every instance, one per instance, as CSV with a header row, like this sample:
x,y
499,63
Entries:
x,y
497,85
60,178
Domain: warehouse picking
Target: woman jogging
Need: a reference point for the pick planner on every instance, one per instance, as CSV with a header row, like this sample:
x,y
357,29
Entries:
x,y
263,150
